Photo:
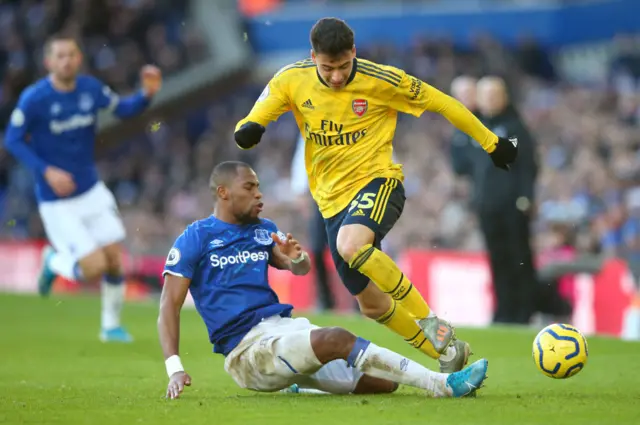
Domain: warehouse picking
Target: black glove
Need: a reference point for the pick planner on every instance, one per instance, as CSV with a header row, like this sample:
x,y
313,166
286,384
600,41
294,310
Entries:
x,y
249,135
505,153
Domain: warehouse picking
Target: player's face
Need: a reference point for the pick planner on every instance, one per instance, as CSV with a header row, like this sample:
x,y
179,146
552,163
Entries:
x,y
64,59
335,70
245,196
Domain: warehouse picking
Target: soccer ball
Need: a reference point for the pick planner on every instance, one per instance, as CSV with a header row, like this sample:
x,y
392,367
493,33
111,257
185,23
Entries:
x,y
560,351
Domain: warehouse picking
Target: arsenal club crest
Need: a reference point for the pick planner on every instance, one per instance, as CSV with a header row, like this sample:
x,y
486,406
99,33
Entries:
x,y
360,106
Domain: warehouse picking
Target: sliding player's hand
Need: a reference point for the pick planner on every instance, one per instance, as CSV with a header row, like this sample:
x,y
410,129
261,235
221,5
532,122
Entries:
x,y
289,246
177,382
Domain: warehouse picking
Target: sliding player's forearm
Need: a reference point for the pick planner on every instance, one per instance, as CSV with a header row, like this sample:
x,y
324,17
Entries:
x,y
458,115
26,155
169,332
132,105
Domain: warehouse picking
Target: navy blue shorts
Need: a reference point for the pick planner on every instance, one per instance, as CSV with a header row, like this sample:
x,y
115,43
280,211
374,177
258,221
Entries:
x,y
378,206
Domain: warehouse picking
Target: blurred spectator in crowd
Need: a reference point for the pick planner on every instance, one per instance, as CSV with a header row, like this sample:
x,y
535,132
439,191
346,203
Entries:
x,y
463,148
505,204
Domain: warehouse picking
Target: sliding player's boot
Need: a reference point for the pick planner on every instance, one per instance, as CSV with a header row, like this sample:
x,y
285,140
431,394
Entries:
x,y
47,276
468,380
439,332
291,389
459,361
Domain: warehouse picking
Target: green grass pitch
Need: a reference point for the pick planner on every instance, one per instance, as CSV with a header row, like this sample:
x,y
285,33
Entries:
x,y
53,370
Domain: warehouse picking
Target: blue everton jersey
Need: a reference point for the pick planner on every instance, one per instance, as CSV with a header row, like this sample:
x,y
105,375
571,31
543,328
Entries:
x,y
49,127
228,266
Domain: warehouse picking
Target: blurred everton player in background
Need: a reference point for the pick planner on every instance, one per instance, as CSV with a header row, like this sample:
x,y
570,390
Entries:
x,y
52,131
223,260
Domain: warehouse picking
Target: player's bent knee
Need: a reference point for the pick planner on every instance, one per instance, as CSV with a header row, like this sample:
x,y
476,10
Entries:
x,y
351,238
93,265
330,344
347,250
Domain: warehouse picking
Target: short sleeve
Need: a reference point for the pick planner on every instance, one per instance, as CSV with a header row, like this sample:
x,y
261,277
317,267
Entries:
x,y
271,227
184,255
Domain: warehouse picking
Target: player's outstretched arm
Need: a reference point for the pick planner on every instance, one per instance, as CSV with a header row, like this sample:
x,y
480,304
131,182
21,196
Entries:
x,y
129,106
173,295
273,102
288,255
414,96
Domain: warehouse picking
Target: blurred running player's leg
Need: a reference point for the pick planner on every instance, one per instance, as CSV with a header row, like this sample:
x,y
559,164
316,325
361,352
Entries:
x,y
85,232
113,293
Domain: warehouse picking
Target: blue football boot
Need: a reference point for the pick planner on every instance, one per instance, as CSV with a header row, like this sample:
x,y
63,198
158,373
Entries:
x,y
469,379
47,276
118,334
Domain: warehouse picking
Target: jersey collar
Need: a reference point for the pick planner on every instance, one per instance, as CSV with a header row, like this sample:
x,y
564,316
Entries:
x,y
351,76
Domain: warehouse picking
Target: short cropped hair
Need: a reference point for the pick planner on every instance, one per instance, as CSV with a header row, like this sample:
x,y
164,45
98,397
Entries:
x,y
331,36
224,172
58,37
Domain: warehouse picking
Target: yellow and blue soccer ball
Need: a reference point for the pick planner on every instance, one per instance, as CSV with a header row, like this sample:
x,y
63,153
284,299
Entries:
x,y
560,351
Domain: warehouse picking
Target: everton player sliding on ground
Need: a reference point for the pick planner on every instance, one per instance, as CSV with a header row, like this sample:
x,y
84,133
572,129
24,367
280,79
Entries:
x,y
223,261
347,109
52,131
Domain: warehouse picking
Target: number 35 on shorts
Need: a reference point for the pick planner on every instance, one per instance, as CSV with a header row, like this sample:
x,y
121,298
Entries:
x,y
373,204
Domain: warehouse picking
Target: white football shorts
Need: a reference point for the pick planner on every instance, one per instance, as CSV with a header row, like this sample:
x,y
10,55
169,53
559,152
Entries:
x,y
277,353
82,224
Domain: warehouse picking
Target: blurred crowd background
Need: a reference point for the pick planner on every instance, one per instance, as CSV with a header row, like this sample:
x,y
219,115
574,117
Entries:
x,y
588,191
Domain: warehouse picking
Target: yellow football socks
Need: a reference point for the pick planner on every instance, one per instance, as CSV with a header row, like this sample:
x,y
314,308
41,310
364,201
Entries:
x,y
404,324
384,272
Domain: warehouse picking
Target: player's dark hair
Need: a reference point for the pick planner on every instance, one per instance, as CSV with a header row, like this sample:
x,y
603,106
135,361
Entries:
x,y
58,37
331,36
224,172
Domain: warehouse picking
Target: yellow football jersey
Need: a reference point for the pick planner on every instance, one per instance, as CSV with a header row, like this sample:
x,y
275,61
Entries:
x,y
349,132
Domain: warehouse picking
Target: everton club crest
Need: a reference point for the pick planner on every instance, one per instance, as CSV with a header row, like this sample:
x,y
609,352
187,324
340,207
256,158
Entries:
x,y
263,237
360,106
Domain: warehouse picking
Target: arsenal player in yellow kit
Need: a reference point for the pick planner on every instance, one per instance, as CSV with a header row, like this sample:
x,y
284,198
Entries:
x,y
347,110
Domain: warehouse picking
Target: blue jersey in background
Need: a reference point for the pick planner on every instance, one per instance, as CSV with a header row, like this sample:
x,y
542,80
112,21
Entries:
x,y
50,127
228,267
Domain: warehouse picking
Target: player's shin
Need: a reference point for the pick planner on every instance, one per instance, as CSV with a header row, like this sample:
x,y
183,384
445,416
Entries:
x,y
387,276
113,292
400,321
382,363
